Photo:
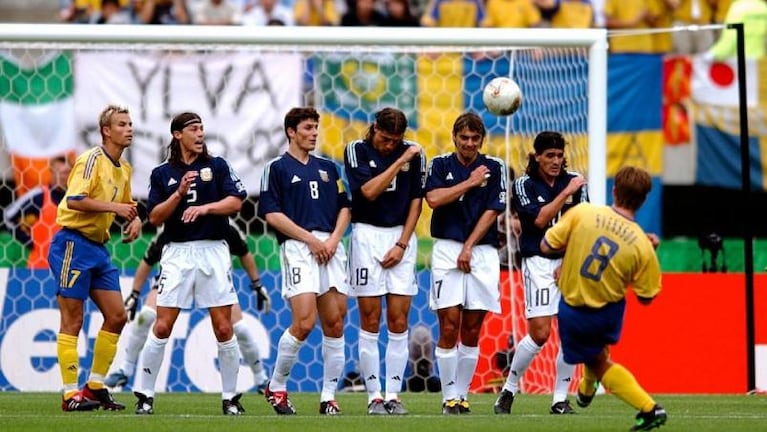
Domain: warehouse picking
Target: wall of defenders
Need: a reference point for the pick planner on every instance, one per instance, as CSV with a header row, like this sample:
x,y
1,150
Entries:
x,y
305,202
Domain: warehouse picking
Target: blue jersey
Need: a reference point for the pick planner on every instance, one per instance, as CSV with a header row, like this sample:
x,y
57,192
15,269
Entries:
x,y
456,220
311,194
215,181
362,163
532,193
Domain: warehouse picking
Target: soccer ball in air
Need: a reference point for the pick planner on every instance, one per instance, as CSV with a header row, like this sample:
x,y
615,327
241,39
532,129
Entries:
x,y
502,96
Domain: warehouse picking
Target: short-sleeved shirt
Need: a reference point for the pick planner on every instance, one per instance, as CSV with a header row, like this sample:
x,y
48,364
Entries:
x,y
511,14
390,208
95,175
573,14
215,181
606,252
530,194
627,10
311,194
454,13
457,220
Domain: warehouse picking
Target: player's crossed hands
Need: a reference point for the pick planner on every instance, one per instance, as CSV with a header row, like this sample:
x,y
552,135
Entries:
x,y
192,213
479,175
464,260
410,153
392,257
323,251
126,211
575,184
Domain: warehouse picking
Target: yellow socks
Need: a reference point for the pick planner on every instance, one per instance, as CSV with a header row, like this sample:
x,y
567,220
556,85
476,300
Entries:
x,y
104,351
69,362
622,384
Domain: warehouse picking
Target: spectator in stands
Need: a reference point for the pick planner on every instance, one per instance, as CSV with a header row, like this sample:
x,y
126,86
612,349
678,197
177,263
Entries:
x,y
398,14
526,14
75,11
692,12
161,12
32,219
630,15
453,13
598,7
753,14
267,12
720,10
663,42
316,13
566,13
216,12
112,13
86,11
362,13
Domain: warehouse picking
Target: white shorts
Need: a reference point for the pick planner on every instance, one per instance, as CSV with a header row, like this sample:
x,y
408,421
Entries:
x,y
368,246
199,271
302,274
541,290
478,290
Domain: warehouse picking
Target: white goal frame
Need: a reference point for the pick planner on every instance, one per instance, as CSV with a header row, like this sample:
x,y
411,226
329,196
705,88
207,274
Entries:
x,y
331,38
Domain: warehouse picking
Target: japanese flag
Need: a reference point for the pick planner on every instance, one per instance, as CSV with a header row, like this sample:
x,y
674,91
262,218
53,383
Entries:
x,y
716,83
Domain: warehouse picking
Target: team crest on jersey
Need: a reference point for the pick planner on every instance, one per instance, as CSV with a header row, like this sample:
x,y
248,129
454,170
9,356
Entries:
x,y
405,167
324,176
206,174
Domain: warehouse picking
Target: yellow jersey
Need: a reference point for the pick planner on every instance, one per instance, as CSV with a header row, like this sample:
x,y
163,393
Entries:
x,y
605,252
511,13
95,175
95,5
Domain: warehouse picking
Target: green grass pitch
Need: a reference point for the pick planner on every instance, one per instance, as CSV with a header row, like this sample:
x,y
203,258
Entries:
x,y
196,412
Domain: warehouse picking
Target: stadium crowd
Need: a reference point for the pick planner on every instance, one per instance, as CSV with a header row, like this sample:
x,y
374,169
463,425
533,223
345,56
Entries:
x,y
611,14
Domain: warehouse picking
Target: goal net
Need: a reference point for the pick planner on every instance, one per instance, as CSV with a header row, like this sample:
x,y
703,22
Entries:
x,y
54,81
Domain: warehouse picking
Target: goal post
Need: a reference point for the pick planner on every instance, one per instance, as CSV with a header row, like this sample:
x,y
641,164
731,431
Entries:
x,y
242,80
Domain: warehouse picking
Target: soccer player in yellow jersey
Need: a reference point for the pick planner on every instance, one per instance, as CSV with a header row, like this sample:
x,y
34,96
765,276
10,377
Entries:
x,y
98,189
606,252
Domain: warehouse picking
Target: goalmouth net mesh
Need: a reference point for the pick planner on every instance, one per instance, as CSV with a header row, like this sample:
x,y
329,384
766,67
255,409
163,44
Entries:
x,y
242,82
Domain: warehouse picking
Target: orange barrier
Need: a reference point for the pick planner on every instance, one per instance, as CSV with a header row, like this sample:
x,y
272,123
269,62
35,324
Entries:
x,y
691,339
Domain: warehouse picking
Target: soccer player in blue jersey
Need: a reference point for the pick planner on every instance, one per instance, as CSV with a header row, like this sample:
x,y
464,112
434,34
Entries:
x,y
98,190
386,177
193,194
606,252
135,337
540,197
303,199
467,190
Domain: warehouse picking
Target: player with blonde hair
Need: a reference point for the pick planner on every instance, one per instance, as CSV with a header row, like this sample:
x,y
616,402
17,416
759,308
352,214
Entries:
x,y
98,190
